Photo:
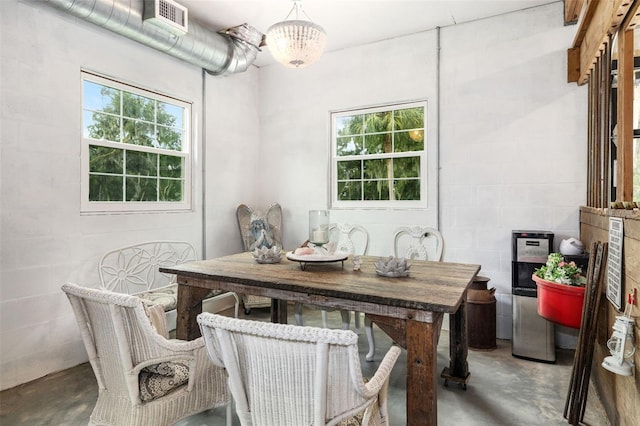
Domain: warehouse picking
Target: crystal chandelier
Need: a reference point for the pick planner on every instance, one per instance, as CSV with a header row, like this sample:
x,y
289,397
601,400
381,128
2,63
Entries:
x,y
296,43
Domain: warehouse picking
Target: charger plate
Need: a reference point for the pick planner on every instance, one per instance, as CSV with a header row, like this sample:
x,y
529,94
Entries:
x,y
317,258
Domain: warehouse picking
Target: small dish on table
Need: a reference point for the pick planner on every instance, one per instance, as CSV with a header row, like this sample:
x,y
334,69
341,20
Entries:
x,y
316,258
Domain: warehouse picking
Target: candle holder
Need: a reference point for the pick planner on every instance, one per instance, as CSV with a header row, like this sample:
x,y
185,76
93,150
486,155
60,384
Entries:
x,y
319,227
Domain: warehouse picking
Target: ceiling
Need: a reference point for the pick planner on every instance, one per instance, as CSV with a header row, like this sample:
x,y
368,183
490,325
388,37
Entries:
x,y
351,23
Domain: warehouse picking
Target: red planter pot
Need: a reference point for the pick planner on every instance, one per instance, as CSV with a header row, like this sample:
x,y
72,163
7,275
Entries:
x,y
560,303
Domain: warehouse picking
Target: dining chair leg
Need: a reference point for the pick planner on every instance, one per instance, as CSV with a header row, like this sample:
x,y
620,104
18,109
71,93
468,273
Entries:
x,y
368,329
346,319
229,413
297,311
324,319
236,307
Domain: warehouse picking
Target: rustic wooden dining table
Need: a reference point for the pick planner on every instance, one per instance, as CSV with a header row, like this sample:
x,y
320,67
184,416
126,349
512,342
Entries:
x,y
409,309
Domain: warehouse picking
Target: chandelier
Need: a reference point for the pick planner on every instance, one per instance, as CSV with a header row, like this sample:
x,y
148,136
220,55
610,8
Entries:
x,y
296,43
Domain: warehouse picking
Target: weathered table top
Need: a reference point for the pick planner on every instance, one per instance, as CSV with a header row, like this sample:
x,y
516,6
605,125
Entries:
x,y
430,286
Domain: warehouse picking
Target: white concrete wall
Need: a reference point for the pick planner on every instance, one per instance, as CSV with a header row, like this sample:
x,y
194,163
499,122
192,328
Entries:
x,y
45,240
232,171
512,149
512,135
295,145
513,141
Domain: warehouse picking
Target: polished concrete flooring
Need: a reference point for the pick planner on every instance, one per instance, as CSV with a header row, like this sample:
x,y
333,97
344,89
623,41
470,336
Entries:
x,y
503,390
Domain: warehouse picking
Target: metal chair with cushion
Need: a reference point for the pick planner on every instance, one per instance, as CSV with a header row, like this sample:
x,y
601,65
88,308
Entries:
x,y
418,242
410,242
143,377
135,270
283,374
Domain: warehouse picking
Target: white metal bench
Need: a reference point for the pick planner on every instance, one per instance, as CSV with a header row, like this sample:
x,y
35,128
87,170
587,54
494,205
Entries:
x,y
135,270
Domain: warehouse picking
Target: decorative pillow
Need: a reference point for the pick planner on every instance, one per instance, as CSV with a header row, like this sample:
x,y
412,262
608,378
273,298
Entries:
x,y
160,379
165,296
168,296
353,421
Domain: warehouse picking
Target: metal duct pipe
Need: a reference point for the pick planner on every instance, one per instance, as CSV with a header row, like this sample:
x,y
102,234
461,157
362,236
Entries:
x,y
214,52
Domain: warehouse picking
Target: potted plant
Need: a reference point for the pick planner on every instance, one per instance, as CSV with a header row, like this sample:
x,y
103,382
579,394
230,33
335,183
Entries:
x,y
561,288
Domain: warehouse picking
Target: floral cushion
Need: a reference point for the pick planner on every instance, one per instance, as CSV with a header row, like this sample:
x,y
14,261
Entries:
x,y
353,421
160,379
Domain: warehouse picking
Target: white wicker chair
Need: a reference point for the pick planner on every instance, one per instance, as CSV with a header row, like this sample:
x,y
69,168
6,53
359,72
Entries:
x,y
416,242
124,349
283,374
352,239
135,270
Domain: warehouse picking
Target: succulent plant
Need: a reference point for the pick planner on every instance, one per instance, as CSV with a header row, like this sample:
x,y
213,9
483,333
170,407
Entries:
x,y
393,266
267,255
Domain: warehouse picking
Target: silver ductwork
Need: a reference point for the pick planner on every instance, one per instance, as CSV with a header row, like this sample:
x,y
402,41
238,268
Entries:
x,y
217,53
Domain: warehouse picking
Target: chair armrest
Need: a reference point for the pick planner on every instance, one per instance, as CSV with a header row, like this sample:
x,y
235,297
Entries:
x,y
177,345
373,386
158,319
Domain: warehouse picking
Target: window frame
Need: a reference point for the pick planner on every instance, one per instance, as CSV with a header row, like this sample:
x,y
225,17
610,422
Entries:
x,y
87,206
423,155
610,167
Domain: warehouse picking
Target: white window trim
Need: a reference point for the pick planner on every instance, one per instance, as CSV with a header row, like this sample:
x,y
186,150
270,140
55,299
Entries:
x,y
87,206
425,178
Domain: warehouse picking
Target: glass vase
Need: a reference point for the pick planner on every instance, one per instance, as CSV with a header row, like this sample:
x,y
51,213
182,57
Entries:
x,y
319,226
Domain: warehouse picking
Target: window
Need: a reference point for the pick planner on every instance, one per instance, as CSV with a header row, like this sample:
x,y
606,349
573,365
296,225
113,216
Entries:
x,y
379,157
618,151
607,60
135,148
636,131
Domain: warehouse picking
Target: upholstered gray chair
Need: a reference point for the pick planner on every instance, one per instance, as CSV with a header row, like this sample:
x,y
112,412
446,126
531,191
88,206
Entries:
x,y
282,374
143,377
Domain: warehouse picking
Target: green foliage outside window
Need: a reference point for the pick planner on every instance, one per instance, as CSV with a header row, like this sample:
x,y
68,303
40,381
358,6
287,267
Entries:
x,y
374,155
142,169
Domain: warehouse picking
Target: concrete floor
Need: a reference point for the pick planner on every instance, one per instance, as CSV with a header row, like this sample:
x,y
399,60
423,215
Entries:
x,y
503,390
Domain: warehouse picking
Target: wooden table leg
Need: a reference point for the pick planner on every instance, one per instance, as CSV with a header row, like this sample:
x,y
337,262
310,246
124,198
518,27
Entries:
x,y
189,306
422,361
279,311
458,370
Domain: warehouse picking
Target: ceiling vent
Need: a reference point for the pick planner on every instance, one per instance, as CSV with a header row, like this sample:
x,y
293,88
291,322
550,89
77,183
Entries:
x,y
219,54
167,14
